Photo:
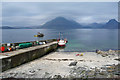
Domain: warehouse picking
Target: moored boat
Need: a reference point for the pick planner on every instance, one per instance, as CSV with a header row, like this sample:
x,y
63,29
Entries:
x,y
62,42
39,35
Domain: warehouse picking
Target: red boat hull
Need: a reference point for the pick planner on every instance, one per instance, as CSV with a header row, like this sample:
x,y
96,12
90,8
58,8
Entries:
x,y
61,45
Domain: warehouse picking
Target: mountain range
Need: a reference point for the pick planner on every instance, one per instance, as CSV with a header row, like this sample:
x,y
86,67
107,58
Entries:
x,y
63,23
111,24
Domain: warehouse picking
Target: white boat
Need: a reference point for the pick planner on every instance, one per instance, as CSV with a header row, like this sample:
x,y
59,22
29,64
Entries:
x,y
61,42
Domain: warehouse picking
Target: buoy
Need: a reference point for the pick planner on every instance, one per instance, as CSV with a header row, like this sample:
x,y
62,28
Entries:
x,y
77,54
2,48
81,54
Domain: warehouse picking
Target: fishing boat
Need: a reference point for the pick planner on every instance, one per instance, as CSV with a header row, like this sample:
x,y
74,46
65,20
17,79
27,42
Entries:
x,y
62,42
39,35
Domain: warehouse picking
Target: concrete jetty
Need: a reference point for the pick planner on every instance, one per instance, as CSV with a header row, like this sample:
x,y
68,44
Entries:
x,y
15,58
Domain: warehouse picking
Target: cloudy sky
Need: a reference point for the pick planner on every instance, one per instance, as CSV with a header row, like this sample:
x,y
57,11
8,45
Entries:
x,y
38,13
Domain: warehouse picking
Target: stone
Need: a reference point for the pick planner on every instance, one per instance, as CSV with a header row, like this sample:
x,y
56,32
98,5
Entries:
x,y
57,76
73,63
99,52
32,71
103,55
110,51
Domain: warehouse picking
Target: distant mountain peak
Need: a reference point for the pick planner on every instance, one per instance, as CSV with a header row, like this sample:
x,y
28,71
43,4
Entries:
x,y
60,18
111,24
61,23
112,21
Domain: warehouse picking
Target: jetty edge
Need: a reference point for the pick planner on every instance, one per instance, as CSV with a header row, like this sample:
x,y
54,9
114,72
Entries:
x,y
18,57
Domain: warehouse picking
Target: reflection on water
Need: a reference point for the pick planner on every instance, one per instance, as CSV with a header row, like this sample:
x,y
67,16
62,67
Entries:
x,y
78,39
61,48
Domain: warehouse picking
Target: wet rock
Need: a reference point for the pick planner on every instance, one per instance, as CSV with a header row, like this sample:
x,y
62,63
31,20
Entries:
x,y
73,63
57,76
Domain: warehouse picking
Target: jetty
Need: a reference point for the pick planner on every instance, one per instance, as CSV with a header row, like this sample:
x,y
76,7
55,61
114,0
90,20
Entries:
x,y
11,59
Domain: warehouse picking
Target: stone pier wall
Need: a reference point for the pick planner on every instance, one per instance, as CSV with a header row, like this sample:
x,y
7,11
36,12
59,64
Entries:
x,y
27,56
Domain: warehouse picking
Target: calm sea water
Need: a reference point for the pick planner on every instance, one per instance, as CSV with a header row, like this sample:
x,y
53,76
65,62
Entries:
x,y
78,39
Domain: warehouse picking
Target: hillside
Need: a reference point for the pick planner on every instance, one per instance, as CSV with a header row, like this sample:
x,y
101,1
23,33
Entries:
x,y
61,23
111,24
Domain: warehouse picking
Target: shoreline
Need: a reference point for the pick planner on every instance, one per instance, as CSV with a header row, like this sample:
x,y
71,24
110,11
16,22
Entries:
x,y
90,51
87,50
62,65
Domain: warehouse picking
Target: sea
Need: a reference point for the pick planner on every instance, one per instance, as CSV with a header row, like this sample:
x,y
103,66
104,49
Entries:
x,y
78,39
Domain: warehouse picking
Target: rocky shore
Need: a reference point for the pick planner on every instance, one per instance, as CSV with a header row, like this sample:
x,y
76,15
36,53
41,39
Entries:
x,y
99,64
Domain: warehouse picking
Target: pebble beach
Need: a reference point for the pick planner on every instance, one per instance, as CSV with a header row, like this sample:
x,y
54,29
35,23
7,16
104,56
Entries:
x,y
103,64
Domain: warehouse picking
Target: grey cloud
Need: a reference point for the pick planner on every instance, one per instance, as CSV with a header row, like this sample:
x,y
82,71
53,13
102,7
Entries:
x,y
33,13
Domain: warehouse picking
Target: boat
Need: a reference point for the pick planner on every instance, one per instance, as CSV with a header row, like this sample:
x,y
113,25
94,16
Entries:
x,y
62,42
39,35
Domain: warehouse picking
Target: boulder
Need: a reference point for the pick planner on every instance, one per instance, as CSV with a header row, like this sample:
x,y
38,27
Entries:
x,y
99,51
73,63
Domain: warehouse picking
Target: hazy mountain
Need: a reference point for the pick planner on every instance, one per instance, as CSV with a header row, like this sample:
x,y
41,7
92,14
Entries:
x,y
111,24
6,27
23,28
61,23
94,26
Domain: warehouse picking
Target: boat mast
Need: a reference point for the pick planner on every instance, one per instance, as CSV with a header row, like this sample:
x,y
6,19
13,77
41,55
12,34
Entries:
x,y
62,36
59,35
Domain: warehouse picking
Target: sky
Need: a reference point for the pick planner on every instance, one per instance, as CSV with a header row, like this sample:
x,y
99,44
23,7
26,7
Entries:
x,y
38,13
